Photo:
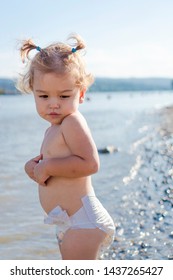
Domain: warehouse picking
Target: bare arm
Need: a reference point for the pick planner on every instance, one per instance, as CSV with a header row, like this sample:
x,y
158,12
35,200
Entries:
x,y
83,160
30,165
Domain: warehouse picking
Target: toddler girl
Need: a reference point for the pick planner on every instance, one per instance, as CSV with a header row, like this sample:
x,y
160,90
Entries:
x,y
68,157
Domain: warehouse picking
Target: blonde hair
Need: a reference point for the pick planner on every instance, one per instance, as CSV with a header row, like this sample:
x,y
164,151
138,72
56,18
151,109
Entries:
x,y
59,58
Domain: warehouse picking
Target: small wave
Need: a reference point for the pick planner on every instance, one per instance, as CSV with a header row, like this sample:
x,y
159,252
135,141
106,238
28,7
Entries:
x,y
133,171
139,142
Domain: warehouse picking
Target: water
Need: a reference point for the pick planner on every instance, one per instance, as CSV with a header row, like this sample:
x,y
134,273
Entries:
x,y
122,119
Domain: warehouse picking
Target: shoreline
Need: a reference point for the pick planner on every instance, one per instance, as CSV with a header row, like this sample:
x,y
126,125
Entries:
x,y
148,202
167,120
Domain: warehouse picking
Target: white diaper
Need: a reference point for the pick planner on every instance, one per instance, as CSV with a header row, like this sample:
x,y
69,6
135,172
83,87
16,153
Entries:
x,y
91,215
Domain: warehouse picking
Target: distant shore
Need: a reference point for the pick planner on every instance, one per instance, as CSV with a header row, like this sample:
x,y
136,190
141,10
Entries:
x,y
7,86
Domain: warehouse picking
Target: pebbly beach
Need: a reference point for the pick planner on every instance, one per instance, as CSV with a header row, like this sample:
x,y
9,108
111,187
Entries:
x,y
144,227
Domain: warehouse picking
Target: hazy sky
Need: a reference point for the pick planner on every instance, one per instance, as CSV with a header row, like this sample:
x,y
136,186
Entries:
x,y
125,38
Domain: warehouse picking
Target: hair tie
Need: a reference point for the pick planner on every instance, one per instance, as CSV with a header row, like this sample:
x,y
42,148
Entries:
x,y
73,50
38,49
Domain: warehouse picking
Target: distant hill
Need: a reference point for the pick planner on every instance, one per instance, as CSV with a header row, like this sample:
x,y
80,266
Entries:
x,y
132,84
7,86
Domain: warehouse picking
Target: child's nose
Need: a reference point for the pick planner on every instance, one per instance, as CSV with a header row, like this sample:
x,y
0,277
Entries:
x,y
54,103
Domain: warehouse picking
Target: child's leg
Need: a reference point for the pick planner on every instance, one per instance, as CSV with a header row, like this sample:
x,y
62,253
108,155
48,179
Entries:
x,y
81,244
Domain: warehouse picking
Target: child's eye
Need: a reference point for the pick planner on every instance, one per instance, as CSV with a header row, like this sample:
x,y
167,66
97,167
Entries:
x,y
64,96
43,96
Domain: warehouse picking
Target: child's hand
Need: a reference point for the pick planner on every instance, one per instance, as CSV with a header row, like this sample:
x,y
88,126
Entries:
x,y
40,173
30,165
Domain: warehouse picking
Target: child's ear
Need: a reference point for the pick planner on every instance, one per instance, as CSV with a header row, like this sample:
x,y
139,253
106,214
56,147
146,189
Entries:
x,y
82,95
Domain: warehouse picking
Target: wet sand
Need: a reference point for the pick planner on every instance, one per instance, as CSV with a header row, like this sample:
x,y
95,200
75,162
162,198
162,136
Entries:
x,y
144,229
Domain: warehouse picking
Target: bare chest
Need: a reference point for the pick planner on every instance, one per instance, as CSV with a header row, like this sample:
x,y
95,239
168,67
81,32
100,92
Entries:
x,y
54,144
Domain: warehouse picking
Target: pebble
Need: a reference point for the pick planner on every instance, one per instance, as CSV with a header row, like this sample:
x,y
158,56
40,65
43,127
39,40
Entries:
x,y
171,235
108,150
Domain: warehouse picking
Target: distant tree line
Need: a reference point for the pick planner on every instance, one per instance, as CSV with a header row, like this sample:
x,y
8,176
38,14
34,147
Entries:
x,y
7,86
132,84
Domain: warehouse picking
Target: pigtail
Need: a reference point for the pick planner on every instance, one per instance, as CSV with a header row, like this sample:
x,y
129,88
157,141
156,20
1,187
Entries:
x,y
80,43
76,47
77,44
27,46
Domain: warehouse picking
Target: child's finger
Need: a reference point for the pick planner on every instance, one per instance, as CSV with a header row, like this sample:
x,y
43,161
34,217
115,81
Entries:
x,y
37,158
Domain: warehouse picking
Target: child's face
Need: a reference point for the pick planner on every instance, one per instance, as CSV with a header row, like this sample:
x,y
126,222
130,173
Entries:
x,y
56,96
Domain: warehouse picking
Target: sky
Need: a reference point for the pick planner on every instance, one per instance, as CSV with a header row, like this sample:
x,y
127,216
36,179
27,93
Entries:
x,y
124,38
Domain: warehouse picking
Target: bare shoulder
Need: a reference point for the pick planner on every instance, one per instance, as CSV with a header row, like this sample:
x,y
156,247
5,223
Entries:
x,y
75,121
77,134
78,138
